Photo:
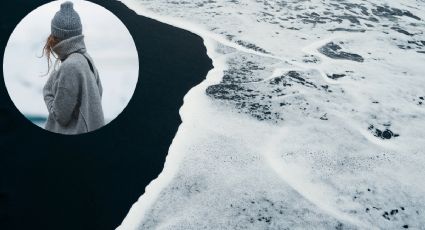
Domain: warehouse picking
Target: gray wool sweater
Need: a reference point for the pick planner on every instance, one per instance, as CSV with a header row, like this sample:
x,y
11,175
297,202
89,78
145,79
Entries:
x,y
73,92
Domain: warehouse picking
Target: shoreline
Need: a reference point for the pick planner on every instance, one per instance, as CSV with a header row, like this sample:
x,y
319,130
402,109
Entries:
x,y
194,28
138,210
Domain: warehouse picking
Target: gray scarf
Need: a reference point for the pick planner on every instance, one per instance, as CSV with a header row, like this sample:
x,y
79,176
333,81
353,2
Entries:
x,y
68,46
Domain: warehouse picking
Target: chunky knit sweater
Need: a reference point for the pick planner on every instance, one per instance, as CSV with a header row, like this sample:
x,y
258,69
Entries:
x,y
73,92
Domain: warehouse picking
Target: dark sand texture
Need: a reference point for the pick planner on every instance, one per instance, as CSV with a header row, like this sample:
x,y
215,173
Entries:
x,y
50,181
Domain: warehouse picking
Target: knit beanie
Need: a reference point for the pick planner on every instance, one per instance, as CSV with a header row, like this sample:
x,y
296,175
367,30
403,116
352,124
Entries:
x,y
66,23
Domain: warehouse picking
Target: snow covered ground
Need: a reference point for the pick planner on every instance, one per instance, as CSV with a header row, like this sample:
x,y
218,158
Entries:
x,y
312,118
108,42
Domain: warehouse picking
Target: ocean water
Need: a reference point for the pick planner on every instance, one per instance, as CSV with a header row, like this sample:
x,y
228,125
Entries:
x,y
313,117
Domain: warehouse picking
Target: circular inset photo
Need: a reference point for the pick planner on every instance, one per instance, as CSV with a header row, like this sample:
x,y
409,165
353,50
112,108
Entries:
x,y
70,67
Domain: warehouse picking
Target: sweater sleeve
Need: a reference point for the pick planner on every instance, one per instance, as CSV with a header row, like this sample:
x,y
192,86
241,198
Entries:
x,y
48,92
63,103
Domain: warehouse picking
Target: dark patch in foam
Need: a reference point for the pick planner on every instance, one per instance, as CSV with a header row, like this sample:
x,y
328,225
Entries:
x,y
336,76
388,12
347,30
333,50
420,101
252,46
261,99
383,134
353,6
400,30
242,74
310,59
243,98
229,92
291,77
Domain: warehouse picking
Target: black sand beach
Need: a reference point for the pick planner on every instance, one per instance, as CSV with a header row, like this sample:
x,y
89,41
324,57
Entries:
x,y
50,181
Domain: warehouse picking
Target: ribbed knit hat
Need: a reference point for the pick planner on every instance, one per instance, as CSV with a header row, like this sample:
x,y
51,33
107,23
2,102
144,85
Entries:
x,y
66,23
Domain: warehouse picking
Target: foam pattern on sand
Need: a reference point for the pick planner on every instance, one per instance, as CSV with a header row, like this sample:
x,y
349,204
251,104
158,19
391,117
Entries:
x,y
312,118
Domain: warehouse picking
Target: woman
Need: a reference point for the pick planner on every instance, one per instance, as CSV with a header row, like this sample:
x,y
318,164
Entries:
x,y
73,92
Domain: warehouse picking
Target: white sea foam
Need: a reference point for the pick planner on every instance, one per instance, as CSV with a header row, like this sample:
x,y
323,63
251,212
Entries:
x,y
313,117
